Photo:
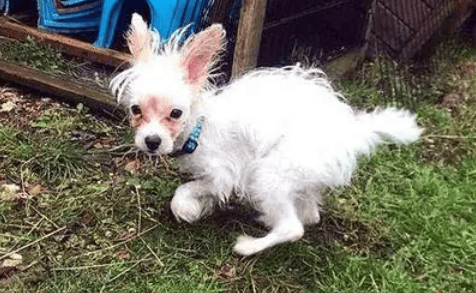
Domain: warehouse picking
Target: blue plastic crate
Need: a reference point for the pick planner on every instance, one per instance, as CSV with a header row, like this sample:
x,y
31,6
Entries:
x,y
71,3
80,19
165,15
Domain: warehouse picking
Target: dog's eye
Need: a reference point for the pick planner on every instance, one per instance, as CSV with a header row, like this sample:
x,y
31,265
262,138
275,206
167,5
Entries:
x,y
136,110
176,113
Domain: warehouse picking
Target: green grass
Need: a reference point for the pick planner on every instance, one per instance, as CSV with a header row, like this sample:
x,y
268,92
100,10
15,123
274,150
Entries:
x,y
30,53
429,212
55,147
86,220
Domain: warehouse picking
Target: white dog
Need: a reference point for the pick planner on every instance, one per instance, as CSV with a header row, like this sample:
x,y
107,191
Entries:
x,y
273,138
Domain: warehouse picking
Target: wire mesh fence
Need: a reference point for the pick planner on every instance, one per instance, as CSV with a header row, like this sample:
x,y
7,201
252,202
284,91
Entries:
x,y
316,31
404,40
399,36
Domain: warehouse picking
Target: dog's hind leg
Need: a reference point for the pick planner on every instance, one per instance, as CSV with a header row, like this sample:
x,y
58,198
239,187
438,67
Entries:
x,y
192,200
285,224
307,208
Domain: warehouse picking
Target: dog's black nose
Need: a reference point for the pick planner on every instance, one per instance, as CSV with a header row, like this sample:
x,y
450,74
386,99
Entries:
x,y
153,142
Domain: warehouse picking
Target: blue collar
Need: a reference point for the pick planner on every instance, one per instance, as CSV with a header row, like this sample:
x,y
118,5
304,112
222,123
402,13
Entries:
x,y
191,143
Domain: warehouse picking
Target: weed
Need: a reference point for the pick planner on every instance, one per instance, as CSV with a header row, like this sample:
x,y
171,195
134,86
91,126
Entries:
x,y
60,159
13,145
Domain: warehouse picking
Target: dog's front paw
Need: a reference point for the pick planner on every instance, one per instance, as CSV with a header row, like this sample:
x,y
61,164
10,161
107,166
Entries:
x,y
189,210
247,245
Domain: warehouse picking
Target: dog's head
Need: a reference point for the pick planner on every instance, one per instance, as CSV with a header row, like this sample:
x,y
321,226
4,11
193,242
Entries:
x,y
166,82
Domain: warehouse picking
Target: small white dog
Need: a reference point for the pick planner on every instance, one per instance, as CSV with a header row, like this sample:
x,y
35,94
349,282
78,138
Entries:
x,y
274,138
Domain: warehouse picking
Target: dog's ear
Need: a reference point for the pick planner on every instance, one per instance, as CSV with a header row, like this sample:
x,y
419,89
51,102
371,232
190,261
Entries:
x,y
140,40
199,54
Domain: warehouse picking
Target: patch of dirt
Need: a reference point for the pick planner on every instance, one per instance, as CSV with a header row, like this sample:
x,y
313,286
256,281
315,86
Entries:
x,y
352,234
450,101
7,273
19,109
468,69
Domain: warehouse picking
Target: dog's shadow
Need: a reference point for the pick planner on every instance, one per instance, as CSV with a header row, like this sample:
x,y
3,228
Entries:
x,y
226,223
230,218
230,221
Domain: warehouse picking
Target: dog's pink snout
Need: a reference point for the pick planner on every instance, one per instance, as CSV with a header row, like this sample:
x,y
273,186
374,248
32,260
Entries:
x,y
153,142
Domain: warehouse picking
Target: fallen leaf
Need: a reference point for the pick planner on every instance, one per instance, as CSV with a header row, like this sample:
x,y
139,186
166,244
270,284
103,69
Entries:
x,y
468,68
35,188
128,236
16,256
7,271
86,221
133,166
12,262
10,265
98,145
64,235
123,254
7,106
227,272
9,192
450,101
104,142
7,93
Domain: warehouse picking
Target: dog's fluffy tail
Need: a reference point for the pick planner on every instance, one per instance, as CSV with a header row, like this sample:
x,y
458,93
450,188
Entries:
x,y
390,125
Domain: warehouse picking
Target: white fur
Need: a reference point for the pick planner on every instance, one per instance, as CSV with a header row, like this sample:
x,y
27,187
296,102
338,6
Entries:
x,y
274,138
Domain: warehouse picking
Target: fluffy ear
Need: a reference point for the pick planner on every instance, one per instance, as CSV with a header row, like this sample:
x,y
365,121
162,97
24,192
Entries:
x,y
140,40
199,54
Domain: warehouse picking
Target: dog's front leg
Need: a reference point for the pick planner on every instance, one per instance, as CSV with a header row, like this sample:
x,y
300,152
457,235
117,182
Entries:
x,y
192,200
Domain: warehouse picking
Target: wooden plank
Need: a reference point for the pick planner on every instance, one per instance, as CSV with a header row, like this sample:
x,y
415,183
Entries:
x,y
437,21
308,12
248,39
412,12
390,29
65,90
435,3
369,24
71,46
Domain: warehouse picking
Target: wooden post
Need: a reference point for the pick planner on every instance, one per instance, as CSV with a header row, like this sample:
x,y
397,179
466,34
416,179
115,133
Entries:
x,y
249,35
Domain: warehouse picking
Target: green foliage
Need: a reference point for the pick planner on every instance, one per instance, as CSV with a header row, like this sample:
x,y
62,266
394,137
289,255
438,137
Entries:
x,y
13,145
30,53
50,158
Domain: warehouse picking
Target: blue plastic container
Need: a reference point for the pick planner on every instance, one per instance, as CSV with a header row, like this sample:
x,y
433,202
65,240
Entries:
x,y
85,17
71,3
165,15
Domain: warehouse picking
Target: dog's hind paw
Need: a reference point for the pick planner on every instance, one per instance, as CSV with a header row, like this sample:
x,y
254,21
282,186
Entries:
x,y
247,245
288,231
